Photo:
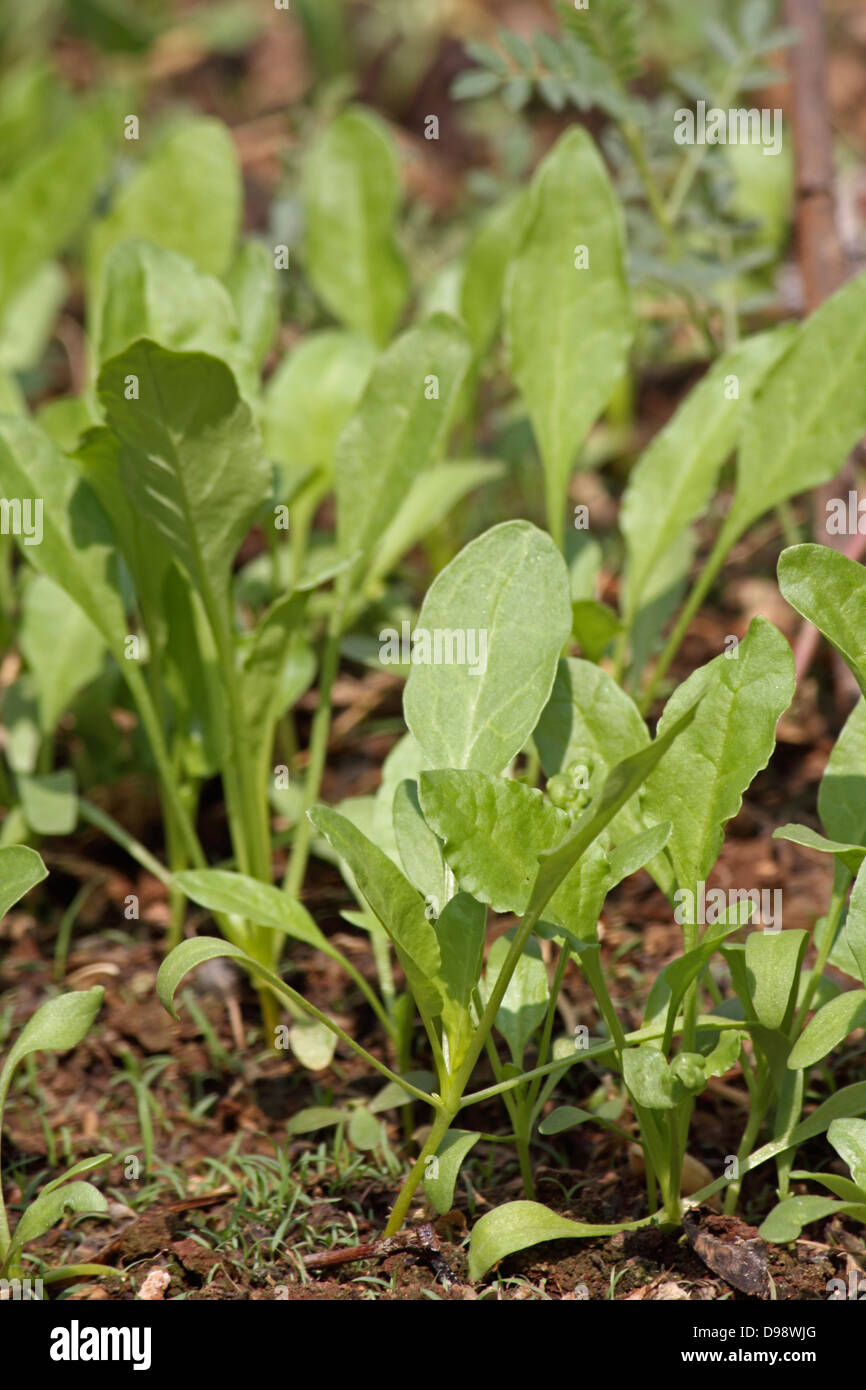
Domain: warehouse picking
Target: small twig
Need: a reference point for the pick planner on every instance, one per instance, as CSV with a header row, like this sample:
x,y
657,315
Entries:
x,y
422,1242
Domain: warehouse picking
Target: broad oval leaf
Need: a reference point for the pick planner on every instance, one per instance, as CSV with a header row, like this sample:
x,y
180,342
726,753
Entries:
x,y
848,1138
854,931
50,1207
827,1029
21,868
77,549
185,196
506,596
192,462
850,855
786,1221
56,1026
237,895
440,1175
394,901
829,590
399,429
809,412
310,399
518,1225
842,793
156,294
568,311
674,479
63,649
493,830
524,1003
773,961
700,784
351,191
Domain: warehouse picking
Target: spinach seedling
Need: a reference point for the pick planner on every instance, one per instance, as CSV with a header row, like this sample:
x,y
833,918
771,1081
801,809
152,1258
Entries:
x,y
57,1026
508,848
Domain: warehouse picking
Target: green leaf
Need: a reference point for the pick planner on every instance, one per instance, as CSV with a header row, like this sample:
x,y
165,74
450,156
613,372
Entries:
x,y
433,494
186,196
365,1131
43,205
594,626
700,785
441,1179
569,330
673,481
850,855
493,244
620,785
252,283
399,428
395,903
648,1078
419,849
830,1025
21,869
507,594
311,397
50,801
352,195
591,721
842,793
313,1044
564,1117
191,953
786,1221
192,460
524,1003
274,654
809,412
392,1095
237,895
314,1118
460,930
670,986
63,650
848,1138
77,550
854,931
28,318
829,590
57,1026
493,830
773,961
518,1225
50,1207
157,294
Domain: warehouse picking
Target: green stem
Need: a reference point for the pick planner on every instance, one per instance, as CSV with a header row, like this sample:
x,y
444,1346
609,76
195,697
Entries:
x,y
841,881
134,848
724,541
152,728
297,866
439,1129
